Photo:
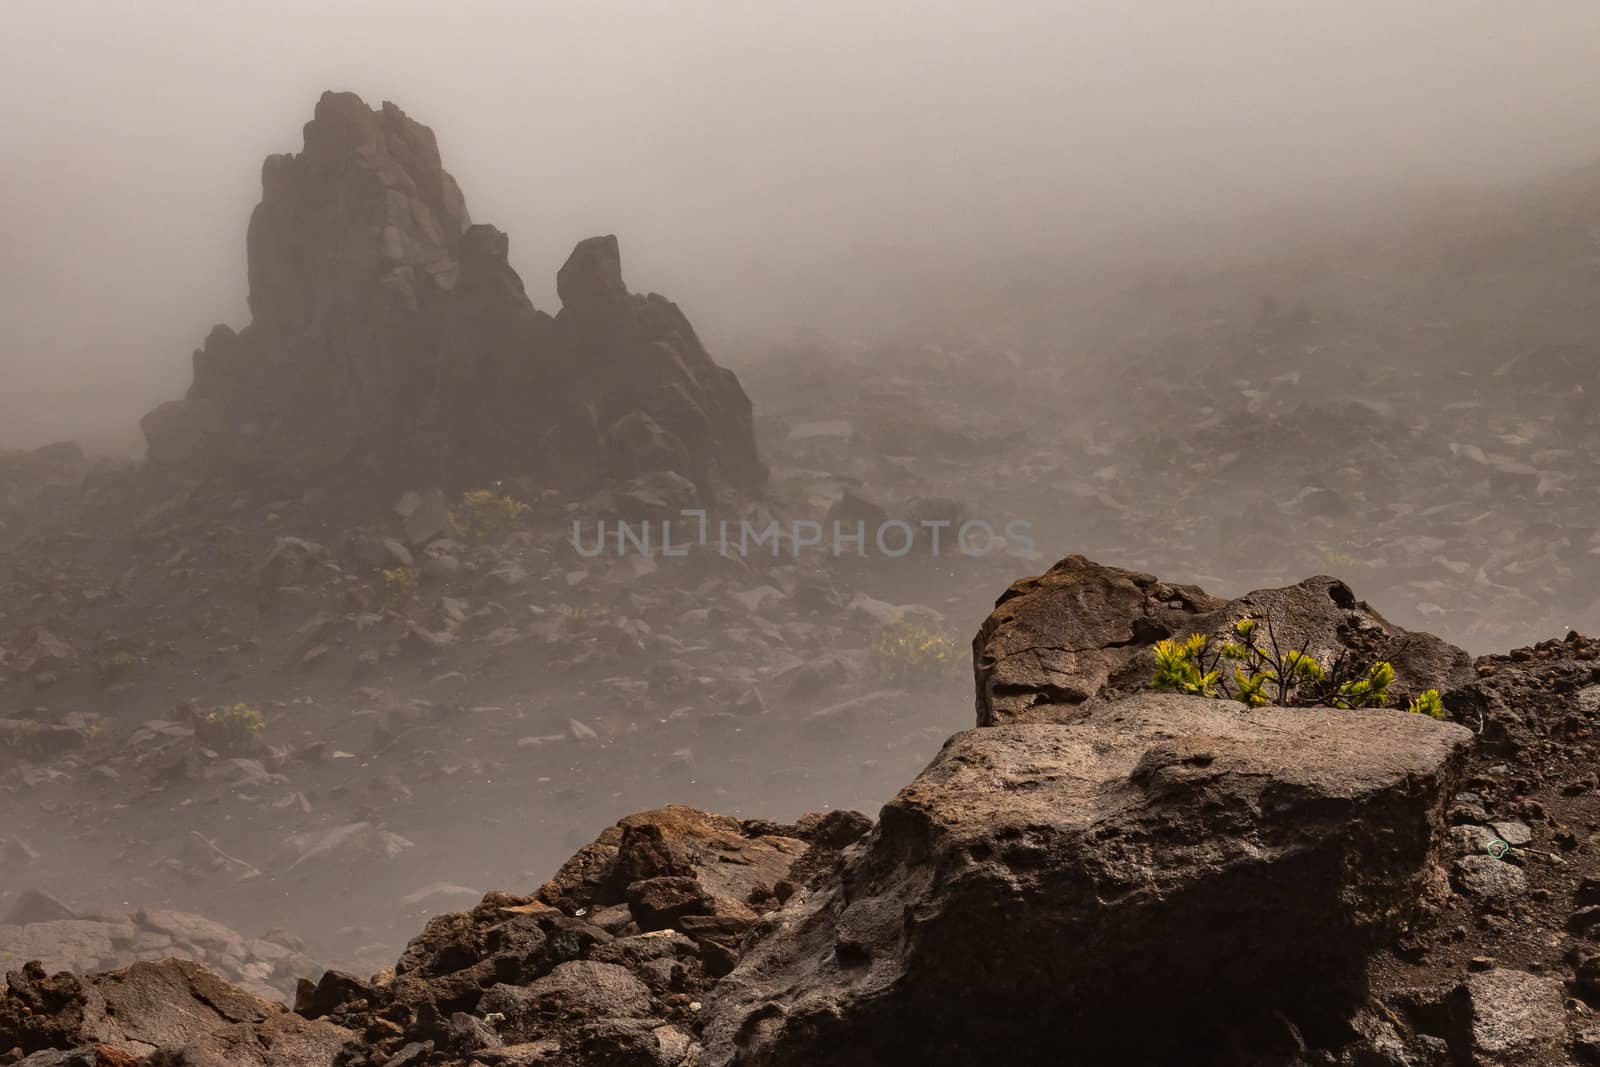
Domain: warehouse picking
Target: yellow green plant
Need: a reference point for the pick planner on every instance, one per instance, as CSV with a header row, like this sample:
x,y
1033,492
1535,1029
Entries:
x,y
909,653
119,663
27,738
1251,666
399,588
1428,703
483,513
235,726
582,612
1178,667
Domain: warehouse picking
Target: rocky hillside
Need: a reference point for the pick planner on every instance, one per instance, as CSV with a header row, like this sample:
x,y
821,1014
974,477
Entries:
x,y
391,345
1096,871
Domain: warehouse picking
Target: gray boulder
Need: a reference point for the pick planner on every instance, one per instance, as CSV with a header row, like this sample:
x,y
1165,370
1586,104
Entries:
x,y
1075,874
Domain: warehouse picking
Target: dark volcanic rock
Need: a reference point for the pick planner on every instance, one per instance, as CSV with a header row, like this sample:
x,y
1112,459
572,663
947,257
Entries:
x,y
1059,638
392,344
136,1011
1083,629
1158,850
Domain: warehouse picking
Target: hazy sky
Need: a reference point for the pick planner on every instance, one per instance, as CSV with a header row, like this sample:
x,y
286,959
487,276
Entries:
x,y
737,148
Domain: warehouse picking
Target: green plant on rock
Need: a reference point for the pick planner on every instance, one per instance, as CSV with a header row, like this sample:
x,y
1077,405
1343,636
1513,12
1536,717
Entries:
x,y
399,589
484,513
1252,666
1178,667
1428,703
909,653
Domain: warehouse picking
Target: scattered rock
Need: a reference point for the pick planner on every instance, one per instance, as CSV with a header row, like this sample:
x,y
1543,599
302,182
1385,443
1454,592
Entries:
x,y
1517,1018
1489,879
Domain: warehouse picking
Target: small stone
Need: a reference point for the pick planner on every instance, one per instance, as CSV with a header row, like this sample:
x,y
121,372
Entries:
x,y
1516,1017
1471,839
1489,879
1514,833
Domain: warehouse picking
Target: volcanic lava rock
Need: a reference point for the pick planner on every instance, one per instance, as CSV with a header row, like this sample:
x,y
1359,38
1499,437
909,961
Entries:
x,y
134,1011
1045,880
391,344
1083,629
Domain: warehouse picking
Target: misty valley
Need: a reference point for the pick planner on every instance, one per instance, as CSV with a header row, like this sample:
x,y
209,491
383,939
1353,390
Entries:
x,y
1172,648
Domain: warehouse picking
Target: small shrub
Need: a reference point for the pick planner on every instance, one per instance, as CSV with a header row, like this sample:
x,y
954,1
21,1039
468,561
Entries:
x,y
399,589
234,727
576,614
484,514
27,738
118,664
1429,703
1250,666
912,654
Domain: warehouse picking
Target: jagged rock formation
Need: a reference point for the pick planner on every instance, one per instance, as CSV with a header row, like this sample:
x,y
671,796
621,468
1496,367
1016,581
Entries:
x,y
391,343
1083,629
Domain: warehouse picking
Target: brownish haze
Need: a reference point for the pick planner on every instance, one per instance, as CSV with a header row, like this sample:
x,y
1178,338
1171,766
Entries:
x,y
775,166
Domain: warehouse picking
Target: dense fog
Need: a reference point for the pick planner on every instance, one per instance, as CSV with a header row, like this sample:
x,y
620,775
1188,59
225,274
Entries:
x,y
1179,314
777,167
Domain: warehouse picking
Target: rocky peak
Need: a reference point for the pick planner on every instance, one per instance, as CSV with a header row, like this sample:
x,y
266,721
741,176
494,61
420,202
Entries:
x,y
392,344
367,201
591,279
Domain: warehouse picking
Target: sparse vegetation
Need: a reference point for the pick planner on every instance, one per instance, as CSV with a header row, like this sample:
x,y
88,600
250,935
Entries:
x,y
578,613
1429,704
25,736
399,589
484,513
234,727
909,653
1254,668
118,664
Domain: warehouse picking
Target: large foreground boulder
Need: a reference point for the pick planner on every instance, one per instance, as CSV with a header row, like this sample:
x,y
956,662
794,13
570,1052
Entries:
x,y
1043,888
1083,629
391,344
